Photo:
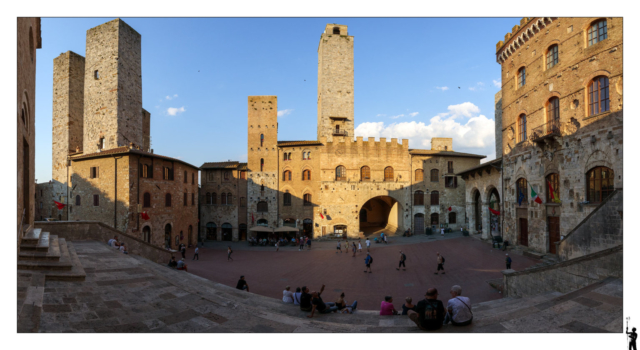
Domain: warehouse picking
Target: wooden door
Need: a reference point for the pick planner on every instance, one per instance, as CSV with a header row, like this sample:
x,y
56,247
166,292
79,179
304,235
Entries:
x,y
524,232
418,223
554,233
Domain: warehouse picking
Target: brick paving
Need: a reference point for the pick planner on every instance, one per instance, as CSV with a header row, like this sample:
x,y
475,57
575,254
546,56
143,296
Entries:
x,y
470,263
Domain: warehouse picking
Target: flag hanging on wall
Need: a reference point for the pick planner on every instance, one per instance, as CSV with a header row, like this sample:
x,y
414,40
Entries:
x,y
553,194
520,198
449,209
494,212
321,216
535,196
144,215
60,205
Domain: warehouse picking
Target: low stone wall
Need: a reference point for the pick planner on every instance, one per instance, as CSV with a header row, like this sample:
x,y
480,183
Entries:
x,y
601,230
97,231
566,276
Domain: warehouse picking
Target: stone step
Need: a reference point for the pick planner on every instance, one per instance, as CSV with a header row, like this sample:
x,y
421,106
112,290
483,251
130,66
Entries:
x,y
76,273
41,245
32,236
53,253
63,263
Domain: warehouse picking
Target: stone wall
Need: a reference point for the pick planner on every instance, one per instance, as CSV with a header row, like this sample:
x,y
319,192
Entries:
x,y
113,87
28,40
215,184
146,130
566,276
98,231
298,187
580,143
479,186
600,230
498,123
335,83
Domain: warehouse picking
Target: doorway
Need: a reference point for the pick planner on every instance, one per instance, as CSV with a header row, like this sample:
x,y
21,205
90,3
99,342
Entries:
x,y
418,224
146,234
554,233
212,229
167,236
227,232
435,219
243,232
307,228
524,231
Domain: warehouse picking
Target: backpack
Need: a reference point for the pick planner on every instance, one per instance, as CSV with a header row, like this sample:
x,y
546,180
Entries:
x,y
509,259
442,258
370,259
404,257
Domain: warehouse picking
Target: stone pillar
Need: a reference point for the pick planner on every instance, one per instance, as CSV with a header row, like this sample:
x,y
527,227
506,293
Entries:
x,y
472,220
235,234
486,224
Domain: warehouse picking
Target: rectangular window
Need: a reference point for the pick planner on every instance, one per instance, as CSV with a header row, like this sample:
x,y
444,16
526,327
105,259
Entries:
x,y
193,178
94,172
96,200
451,181
185,199
450,167
193,199
243,175
167,174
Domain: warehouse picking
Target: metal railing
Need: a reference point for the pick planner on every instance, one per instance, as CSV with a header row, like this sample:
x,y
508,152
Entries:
x,y
339,132
546,129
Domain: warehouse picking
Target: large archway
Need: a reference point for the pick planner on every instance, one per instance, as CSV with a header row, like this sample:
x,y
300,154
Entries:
x,y
477,212
494,217
380,214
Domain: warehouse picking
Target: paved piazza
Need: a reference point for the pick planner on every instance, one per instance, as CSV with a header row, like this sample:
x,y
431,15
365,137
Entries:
x,y
469,263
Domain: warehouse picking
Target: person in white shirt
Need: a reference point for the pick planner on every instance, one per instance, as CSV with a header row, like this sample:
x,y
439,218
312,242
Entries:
x,y
458,308
123,249
359,247
287,295
296,296
442,231
113,242
368,243
195,254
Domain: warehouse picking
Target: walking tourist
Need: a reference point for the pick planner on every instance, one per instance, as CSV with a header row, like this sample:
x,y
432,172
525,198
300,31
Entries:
x,y
287,295
385,239
353,248
508,261
368,260
309,243
296,296
181,265
386,307
403,258
338,248
301,244
277,246
408,305
359,246
429,313
242,284
229,251
458,308
368,244
321,306
440,260
183,250
195,254
442,231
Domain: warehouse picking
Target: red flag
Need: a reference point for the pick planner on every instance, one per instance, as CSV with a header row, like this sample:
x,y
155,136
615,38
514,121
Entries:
x,y
251,218
449,209
321,216
144,215
494,212
60,205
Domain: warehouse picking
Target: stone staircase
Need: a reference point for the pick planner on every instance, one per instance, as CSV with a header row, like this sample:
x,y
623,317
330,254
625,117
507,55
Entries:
x,y
46,254
127,293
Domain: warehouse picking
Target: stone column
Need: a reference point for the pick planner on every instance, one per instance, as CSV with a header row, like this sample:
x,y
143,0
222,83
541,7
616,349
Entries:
x,y
486,224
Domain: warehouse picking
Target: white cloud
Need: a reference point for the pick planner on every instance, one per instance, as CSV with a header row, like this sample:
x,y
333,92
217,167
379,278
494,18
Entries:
x,y
413,114
175,111
497,83
176,95
480,83
443,88
475,135
472,88
397,116
284,112
381,115
171,97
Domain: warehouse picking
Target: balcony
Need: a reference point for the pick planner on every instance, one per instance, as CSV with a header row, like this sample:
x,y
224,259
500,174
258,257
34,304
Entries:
x,y
338,132
545,131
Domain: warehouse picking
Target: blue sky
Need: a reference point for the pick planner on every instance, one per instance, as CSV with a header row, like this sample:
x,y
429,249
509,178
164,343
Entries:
x,y
415,78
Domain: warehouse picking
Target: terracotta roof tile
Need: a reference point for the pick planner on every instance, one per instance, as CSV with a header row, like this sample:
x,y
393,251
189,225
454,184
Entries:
x,y
491,163
220,165
125,150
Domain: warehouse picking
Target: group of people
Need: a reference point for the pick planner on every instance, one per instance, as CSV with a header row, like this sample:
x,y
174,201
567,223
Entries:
x,y
113,242
430,313
312,301
178,265
353,247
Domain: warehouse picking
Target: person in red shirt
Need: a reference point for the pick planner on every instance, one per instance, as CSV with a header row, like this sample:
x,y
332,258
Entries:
x,y
386,307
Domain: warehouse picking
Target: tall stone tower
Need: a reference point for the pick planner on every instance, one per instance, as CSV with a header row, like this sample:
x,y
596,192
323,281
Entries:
x,y
335,83
112,87
262,187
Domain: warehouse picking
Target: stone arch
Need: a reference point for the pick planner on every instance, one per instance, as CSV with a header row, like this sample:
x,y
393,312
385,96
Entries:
x,y
147,224
597,158
289,188
387,211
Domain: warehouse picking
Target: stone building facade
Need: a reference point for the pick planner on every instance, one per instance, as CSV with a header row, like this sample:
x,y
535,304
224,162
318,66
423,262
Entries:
x,y
29,39
103,168
338,184
223,201
562,124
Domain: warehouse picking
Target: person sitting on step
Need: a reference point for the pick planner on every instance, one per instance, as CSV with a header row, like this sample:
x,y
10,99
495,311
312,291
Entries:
x,y
173,263
182,265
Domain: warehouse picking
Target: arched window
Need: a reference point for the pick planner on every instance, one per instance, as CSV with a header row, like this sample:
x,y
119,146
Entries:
x,y
261,164
185,176
435,198
597,31
522,128
522,77
284,156
307,200
306,175
336,30
553,181
78,200
388,174
365,173
262,207
552,56
521,191
341,173
600,182
167,200
553,112
286,199
207,198
289,156
223,198
146,234
418,198
435,175
261,140
286,176
146,200
214,198
599,95
452,218
419,175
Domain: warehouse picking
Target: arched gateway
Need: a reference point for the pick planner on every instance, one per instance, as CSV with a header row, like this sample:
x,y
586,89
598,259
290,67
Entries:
x,y
381,214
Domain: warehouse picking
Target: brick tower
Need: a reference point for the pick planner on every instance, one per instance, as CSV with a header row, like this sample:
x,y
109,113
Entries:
x,y
262,187
67,123
335,83
112,87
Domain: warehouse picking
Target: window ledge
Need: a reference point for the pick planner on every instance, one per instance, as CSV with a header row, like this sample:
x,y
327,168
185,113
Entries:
x,y
553,204
602,114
